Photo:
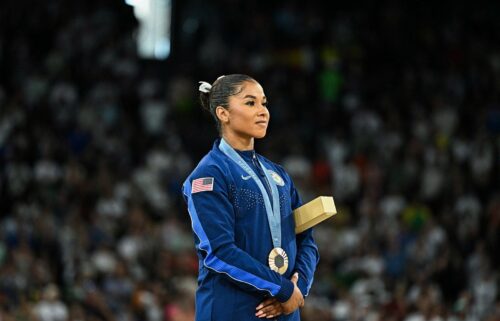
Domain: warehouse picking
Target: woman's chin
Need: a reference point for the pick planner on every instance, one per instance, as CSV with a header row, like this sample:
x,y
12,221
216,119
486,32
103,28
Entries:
x,y
260,134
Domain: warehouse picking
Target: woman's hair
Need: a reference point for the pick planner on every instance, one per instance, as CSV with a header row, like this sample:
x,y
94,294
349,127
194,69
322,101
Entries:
x,y
219,92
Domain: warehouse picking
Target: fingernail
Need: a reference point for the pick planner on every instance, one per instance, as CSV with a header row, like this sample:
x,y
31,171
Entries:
x,y
258,307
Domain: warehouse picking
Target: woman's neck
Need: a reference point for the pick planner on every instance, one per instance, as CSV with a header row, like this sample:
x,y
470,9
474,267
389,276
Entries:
x,y
238,142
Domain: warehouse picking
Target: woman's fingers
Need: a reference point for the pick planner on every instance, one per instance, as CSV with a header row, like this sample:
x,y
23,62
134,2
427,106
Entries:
x,y
265,303
269,308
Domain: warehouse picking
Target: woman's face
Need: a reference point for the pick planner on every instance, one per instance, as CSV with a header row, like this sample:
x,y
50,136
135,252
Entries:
x,y
247,115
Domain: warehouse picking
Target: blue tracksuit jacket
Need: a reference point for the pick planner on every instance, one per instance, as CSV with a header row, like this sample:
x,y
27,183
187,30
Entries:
x,y
233,239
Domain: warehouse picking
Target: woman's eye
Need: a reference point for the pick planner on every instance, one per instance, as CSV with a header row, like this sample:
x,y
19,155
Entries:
x,y
264,104
250,103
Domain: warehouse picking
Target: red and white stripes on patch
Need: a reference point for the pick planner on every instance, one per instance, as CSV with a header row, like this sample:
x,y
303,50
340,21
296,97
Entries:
x,y
204,184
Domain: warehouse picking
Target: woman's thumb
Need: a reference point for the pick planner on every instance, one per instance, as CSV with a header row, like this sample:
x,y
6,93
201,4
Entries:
x,y
295,277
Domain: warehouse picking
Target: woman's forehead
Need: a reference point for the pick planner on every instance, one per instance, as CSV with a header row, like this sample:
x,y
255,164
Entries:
x,y
251,88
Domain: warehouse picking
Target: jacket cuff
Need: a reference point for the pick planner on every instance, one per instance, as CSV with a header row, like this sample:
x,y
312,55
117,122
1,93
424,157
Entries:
x,y
302,285
286,290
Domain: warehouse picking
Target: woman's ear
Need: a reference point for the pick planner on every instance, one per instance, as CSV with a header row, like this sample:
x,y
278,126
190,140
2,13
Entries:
x,y
223,114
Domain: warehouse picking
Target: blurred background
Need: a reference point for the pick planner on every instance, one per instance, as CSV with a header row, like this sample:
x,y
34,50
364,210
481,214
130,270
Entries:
x,y
392,107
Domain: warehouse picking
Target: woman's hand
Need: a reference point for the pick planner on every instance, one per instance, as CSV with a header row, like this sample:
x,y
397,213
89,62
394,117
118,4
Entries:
x,y
269,308
296,300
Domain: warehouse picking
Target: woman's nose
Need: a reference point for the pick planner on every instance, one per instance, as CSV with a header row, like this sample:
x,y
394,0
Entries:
x,y
263,110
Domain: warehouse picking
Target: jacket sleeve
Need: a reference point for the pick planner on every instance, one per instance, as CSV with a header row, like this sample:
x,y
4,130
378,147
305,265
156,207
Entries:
x,y
307,251
213,218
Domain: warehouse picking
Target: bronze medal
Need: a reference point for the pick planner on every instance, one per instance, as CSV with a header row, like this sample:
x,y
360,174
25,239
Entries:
x,y
278,260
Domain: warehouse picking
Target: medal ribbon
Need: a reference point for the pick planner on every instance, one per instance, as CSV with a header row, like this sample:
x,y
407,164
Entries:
x,y
273,213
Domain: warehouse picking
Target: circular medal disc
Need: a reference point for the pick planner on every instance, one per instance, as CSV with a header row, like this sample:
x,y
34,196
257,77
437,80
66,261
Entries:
x,y
278,260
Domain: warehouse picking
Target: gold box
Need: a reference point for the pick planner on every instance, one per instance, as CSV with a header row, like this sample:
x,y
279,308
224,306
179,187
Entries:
x,y
313,213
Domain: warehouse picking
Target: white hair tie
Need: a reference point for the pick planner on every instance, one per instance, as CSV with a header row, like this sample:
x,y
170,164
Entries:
x,y
205,87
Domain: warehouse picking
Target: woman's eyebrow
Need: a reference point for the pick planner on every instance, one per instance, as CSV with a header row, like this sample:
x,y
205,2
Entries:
x,y
253,97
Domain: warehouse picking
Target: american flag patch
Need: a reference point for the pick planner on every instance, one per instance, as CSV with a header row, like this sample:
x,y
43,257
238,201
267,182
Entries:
x,y
203,184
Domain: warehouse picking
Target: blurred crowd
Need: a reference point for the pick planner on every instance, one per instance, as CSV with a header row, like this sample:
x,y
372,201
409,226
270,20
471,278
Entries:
x,y
393,108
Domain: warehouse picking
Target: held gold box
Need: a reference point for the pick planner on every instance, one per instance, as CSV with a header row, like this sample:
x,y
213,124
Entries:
x,y
313,213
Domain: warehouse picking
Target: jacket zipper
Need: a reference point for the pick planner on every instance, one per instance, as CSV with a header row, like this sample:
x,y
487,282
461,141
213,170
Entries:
x,y
257,164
